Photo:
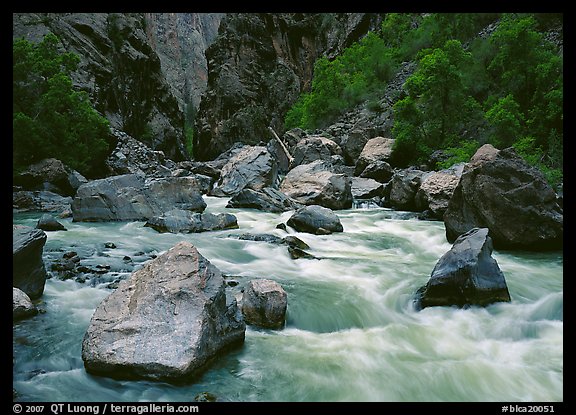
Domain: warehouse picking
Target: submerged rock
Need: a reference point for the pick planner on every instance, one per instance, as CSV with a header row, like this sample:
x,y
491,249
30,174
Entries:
x,y
267,199
264,304
167,321
465,275
28,270
184,221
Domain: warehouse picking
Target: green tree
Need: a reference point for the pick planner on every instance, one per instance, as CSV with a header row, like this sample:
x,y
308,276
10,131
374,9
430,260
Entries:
x,y
434,114
507,122
50,117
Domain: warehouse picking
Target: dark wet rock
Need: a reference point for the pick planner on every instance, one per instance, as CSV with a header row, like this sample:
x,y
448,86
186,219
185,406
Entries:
x,y
28,270
295,242
403,188
297,253
500,191
184,221
22,307
267,199
264,304
51,175
173,311
466,275
316,184
316,220
49,223
378,170
261,237
110,245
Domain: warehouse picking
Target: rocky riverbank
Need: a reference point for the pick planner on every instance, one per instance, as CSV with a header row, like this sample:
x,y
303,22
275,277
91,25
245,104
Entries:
x,y
495,192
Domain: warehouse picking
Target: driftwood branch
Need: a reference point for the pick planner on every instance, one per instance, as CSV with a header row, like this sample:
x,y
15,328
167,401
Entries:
x,y
290,158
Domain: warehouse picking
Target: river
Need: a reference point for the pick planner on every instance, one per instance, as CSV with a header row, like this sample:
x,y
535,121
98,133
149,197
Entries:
x,y
351,334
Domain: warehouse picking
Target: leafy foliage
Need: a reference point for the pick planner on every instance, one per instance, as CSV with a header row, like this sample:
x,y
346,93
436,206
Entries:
x,y
50,117
504,87
346,81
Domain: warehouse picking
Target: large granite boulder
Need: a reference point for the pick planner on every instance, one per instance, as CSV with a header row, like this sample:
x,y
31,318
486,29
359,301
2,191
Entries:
x,y
184,221
167,321
316,184
22,306
28,270
267,199
264,304
315,219
130,197
437,189
466,275
312,148
52,175
375,149
363,188
498,190
252,167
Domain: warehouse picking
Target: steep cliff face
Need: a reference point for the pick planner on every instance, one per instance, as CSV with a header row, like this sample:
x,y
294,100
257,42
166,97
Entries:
x,y
119,70
180,40
257,67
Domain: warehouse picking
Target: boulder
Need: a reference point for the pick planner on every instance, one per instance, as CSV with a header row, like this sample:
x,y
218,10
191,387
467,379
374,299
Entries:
x,y
130,197
264,304
312,148
375,149
48,223
167,321
184,221
315,219
252,167
316,184
28,270
466,275
40,201
52,175
403,188
267,199
22,306
437,189
378,170
498,190
363,188
131,156
353,141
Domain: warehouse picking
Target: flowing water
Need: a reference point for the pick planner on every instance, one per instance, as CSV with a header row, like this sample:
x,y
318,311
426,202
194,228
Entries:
x,y
351,334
